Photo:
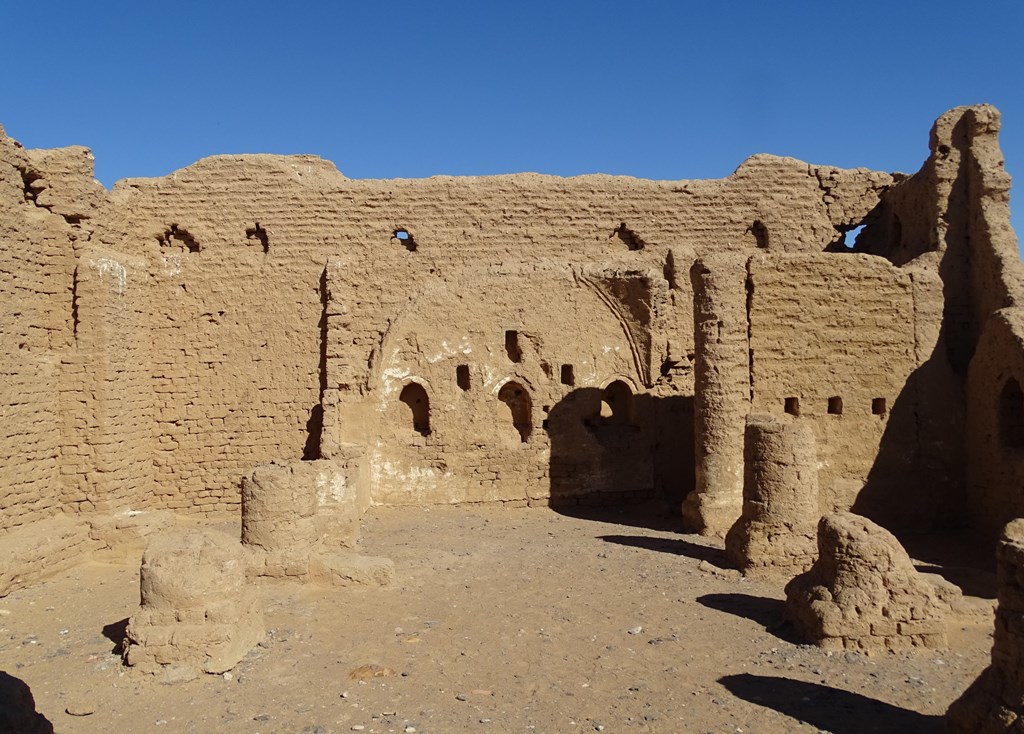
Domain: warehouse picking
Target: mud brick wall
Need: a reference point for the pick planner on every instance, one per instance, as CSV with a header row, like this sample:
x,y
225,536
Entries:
x,y
36,266
832,343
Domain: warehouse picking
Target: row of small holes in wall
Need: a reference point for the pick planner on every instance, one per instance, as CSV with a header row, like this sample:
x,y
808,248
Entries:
x,y
462,378
835,406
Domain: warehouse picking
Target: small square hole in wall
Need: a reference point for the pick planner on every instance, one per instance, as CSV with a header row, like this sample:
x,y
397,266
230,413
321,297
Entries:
x,y
793,406
568,375
878,406
835,405
462,376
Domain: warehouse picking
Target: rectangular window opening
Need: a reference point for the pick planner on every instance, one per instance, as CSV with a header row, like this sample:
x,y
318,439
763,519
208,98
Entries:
x,y
793,406
462,376
512,346
878,406
835,405
568,375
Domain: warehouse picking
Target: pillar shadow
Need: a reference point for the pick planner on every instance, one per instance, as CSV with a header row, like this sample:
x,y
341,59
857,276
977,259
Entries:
x,y
675,546
829,709
769,613
117,632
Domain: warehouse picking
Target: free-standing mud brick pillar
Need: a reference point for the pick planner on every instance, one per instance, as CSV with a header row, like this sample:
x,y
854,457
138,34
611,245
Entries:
x,y
994,703
721,391
198,613
778,528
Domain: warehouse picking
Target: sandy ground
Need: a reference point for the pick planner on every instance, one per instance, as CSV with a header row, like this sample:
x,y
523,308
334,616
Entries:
x,y
501,620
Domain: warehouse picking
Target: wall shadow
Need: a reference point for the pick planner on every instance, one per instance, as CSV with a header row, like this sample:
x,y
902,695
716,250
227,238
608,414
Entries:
x,y
18,708
829,709
639,452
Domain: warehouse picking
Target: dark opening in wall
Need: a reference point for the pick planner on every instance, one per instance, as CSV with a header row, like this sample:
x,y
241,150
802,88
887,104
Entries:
x,y
404,238
792,406
462,376
512,346
415,397
631,238
835,405
178,238
760,233
617,404
878,406
1011,416
257,234
518,401
568,375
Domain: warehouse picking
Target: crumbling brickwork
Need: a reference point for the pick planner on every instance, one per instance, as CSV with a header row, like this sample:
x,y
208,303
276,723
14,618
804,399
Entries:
x,y
863,592
776,533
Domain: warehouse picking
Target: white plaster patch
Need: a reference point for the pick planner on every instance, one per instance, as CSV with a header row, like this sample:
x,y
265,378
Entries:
x,y
447,350
171,263
332,489
106,267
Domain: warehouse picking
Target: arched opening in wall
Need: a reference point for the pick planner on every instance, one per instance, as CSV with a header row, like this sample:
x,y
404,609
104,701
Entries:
x,y
415,398
617,404
1011,416
518,401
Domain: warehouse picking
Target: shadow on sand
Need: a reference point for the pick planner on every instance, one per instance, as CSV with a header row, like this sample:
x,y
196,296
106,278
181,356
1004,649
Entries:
x,y
829,709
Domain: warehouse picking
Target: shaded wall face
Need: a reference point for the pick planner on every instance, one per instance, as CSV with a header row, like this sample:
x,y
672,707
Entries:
x,y
995,423
514,367
832,343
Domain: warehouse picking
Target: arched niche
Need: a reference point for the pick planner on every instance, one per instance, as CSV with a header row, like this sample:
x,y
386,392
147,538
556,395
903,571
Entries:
x,y
516,397
617,404
415,398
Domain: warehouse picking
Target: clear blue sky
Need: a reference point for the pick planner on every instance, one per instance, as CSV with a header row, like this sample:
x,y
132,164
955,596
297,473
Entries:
x,y
653,89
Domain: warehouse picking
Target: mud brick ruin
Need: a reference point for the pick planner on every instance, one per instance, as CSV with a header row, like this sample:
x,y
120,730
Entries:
x,y
995,702
863,592
522,339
